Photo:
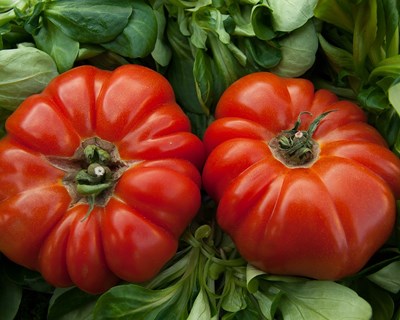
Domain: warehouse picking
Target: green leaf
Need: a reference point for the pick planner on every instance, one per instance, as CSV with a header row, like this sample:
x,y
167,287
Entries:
x,y
203,78
10,297
59,46
162,51
394,95
311,300
288,15
180,70
91,21
387,67
365,30
336,12
380,300
24,71
260,54
338,58
201,307
71,303
136,302
388,277
138,38
298,51
261,20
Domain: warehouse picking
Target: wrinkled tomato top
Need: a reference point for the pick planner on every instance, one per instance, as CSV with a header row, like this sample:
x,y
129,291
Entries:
x,y
323,219
130,230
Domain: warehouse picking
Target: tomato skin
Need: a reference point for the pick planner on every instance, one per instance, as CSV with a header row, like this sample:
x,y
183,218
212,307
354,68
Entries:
x,y
130,233
322,220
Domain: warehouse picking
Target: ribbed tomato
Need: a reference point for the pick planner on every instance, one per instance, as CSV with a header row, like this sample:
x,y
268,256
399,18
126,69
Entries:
x,y
304,185
99,176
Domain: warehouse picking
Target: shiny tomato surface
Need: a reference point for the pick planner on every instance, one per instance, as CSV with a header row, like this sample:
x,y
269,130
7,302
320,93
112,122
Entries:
x,y
322,218
99,177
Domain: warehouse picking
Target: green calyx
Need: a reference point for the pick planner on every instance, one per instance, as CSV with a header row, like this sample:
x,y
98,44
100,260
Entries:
x,y
296,148
97,176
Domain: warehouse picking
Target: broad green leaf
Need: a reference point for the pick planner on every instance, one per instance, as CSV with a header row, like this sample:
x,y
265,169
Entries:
x,y
138,38
260,54
24,71
314,300
288,15
90,21
298,51
388,277
59,46
71,303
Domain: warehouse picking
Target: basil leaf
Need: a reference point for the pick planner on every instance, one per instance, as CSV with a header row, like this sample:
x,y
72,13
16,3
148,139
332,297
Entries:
x,y
24,71
59,46
321,300
138,38
91,21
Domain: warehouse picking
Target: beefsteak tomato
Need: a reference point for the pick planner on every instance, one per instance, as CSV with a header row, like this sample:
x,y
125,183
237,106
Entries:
x,y
304,185
99,177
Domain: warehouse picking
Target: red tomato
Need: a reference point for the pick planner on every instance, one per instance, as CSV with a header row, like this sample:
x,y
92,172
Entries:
x,y
297,202
99,177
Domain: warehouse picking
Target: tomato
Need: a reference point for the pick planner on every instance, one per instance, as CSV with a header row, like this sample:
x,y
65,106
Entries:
x,y
304,185
99,177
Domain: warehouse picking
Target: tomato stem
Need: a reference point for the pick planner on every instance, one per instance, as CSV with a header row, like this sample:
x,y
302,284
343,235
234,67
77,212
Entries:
x,y
296,148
